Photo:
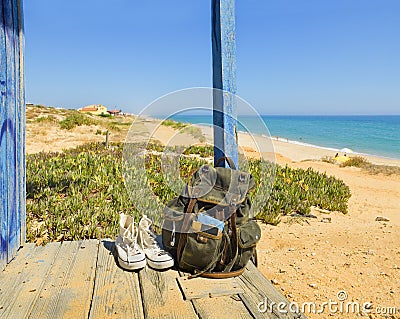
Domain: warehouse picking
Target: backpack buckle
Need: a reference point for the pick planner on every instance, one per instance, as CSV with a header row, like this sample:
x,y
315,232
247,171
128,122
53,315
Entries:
x,y
205,169
233,201
201,239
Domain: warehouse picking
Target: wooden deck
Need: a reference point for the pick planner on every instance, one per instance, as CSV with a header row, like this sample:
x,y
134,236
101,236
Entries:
x,y
81,280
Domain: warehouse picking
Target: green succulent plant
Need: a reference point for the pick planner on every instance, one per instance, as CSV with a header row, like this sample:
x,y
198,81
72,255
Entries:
x,y
79,193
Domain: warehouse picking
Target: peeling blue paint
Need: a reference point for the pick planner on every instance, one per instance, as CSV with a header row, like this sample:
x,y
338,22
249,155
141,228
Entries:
x,y
12,131
224,80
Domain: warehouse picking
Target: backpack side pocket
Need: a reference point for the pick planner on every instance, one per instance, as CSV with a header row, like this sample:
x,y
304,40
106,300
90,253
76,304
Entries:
x,y
249,235
172,224
201,251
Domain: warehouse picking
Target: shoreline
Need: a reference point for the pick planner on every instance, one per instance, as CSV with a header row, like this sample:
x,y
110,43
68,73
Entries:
x,y
360,147
296,151
320,151
284,139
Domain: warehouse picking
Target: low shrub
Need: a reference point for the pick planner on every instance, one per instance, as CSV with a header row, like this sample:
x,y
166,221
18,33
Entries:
x,y
193,130
356,161
80,192
196,132
365,165
202,150
106,115
48,119
76,119
328,159
174,124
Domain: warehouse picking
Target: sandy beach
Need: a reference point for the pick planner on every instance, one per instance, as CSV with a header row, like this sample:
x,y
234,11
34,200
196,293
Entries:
x,y
354,255
312,261
308,260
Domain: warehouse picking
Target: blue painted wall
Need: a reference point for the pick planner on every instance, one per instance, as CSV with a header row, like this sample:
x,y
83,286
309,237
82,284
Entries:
x,y
224,79
12,131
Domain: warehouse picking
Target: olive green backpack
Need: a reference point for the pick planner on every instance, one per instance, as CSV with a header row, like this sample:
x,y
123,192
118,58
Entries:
x,y
208,228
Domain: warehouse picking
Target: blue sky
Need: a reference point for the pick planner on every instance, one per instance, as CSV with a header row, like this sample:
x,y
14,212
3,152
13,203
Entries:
x,y
293,57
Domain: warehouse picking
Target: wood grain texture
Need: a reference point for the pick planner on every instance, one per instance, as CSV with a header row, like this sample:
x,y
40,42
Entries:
x,y
61,281
67,290
197,288
261,294
23,279
116,292
13,227
224,79
162,297
3,141
21,262
228,306
19,166
12,131
20,125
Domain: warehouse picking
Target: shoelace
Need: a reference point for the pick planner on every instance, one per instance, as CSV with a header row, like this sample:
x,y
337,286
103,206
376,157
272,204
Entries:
x,y
150,242
153,245
128,235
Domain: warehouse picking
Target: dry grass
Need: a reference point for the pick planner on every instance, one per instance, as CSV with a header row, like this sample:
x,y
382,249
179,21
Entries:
x,y
361,162
47,129
328,159
382,169
48,119
356,161
68,119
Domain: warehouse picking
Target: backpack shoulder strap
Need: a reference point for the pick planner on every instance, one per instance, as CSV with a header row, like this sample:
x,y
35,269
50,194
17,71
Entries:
x,y
228,160
185,227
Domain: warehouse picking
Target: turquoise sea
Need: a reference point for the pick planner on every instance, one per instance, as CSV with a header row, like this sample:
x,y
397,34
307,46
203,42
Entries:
x,y
373,135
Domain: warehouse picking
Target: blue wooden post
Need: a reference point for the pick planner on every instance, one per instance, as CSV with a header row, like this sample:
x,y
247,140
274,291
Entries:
x,y
224,78
12,131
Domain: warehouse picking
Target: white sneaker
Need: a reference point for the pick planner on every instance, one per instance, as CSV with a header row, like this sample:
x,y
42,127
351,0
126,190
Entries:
x,y
130,255
157,258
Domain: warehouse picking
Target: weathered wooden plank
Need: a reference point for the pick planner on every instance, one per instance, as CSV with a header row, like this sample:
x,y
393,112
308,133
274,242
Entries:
x,y
13,228
262,298
23,256
68,288
20,122
116,292
15,88
12,176
197,288
161,295
224,307
19,167
224,79
3,142
23,279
